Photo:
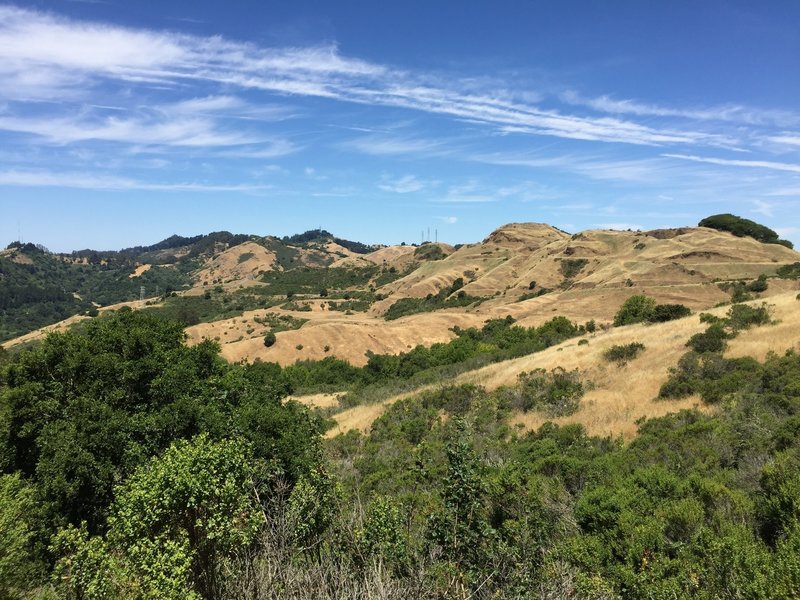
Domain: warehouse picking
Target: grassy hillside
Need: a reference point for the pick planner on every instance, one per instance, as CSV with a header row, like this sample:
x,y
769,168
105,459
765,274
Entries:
x,y
525,462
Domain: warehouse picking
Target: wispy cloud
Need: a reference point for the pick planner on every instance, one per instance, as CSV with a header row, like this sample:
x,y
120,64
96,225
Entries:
x,y
594,167
448,220
187,131
764,208
403,185
755,164
41,52
87,181
728,112
788,139
383,145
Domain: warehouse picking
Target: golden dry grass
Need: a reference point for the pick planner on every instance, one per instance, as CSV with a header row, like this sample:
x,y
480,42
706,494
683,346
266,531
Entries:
x,y
226,266
317,400
358,417
138,271
620,395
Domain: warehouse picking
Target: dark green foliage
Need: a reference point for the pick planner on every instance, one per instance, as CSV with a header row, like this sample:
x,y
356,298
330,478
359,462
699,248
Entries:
x,y
429,252
669,312
172,524
498,338
310,280
743,227
704,371
743,316
640,308
191,310
713,339
270,339
685,510
556,393
245,256
460,529
758,285
443,299
570,267
279,323
791,271
322,236
39,288
328,373
636,309
709,375
18,564
536,294
737,289
623,353
80,412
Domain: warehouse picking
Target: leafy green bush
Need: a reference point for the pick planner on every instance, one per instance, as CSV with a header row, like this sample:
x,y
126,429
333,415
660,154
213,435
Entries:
x,y
624,352
640,308
713,339
636,309
429,251
81,411
270,339
410,306
743,316
556,393
572,266
669,312
172,524
758,285
791,271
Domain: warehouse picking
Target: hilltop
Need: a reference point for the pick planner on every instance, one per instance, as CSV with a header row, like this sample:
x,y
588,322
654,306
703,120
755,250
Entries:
x,y
325,296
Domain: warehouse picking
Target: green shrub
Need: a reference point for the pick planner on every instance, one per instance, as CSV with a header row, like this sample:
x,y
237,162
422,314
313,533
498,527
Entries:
x,y
791,271
669,312
270,339
743,316
572,266
410,306
623,353
713,339
556,393
636,309
429,251
758,285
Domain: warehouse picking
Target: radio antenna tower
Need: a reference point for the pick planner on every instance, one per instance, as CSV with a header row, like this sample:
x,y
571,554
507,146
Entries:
x,y
141,294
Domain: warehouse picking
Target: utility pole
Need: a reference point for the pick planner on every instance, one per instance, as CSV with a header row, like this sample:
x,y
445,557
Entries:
x,y
141,294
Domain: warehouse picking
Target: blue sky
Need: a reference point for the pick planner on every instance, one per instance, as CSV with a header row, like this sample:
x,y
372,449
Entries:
x,y
123,122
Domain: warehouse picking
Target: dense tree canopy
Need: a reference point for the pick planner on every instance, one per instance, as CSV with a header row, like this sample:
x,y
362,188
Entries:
x,y
742,227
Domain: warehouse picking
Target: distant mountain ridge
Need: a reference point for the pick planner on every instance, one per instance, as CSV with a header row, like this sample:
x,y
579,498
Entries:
x,y
520,268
